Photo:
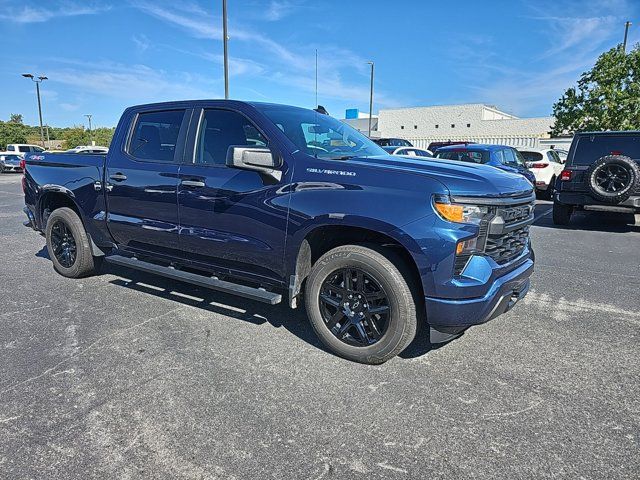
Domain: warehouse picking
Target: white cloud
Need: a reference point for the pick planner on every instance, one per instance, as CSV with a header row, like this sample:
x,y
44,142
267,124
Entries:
x,y
133,83
286,66
278,9
141,42
69,107
32,12
576,32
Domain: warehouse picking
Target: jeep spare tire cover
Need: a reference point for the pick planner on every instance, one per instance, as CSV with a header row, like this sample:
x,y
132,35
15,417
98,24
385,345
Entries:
x,y
613,178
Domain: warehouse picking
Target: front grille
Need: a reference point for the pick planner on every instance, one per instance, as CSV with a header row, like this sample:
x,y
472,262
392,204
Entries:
x,y
506,246
503,233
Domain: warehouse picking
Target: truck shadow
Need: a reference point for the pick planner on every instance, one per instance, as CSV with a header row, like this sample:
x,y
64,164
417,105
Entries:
x,y
43,253
588,221
279,316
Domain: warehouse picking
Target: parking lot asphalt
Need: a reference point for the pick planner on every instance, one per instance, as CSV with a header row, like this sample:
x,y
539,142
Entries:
x,y
126,375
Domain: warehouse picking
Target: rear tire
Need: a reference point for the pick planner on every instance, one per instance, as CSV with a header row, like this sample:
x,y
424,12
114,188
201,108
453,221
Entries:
x,y
68,244
561,213
394,330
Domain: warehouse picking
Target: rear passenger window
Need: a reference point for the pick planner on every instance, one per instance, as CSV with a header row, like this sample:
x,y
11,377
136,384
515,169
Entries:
x,y
221,129
155,135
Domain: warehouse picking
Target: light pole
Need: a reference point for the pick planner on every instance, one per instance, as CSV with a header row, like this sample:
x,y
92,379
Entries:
x,y
370,98
225,48
38,80
88,115
626,32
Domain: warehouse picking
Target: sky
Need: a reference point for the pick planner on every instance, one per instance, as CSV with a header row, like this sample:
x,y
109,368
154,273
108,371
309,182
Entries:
x,y
102,56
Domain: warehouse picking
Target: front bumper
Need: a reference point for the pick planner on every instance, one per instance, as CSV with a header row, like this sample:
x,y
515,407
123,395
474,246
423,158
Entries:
x,y
11,168
450,316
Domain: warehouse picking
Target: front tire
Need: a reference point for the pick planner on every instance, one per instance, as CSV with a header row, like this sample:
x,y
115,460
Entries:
x,y
360,304
68,244
561,213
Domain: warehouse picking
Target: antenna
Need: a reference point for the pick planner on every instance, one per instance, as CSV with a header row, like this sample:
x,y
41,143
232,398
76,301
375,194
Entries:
x,y
316,77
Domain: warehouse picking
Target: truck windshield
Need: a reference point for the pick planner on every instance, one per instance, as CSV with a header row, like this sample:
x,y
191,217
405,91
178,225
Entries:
x,y
319,135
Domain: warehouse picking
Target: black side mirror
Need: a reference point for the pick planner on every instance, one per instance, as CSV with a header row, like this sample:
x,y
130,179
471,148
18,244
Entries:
x,y
259,159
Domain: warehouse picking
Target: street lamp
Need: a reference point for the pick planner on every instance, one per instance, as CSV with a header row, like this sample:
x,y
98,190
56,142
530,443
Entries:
x,y
88,115
225,39
38,81
626,32
370,98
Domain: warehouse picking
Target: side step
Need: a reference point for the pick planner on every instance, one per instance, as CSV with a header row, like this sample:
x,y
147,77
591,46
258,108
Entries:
x,y
207,282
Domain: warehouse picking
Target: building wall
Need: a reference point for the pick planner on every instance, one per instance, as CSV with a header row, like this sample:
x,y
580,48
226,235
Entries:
x,y
362,125
472,122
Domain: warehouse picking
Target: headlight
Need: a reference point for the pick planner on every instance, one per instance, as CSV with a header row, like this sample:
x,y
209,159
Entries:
x,y
458,212
2,157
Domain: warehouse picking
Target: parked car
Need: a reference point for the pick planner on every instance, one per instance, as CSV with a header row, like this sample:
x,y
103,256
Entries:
x,y
408,151
563,154
392,142
199,190
433,146
602,173
10,163
499,156
22,148
88,149
546,166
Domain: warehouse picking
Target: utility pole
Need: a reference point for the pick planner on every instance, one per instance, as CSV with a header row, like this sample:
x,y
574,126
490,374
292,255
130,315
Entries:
x,y
225,40
626,33
88,115
38,81
370,98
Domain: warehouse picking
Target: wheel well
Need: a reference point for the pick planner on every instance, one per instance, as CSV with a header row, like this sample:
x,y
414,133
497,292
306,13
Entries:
x,y
322,239
53,200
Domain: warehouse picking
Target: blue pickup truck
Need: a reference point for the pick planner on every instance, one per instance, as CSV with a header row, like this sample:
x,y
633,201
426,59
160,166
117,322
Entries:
x,y
269,201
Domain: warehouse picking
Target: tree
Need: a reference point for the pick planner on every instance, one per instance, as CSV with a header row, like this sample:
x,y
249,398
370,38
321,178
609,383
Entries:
x,y
11,133
75,136
16,118
607,97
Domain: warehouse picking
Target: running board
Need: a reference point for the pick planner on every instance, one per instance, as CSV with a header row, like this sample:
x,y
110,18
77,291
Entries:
x,y
257,294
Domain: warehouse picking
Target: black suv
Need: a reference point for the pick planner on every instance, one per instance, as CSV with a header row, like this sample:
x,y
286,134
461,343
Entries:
x,y
602,173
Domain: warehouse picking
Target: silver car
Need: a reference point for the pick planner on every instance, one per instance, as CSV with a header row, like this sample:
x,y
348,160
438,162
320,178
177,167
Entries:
x,y
10,163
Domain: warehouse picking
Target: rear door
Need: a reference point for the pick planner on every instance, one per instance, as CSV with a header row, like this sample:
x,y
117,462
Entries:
x,y
141,181
229,218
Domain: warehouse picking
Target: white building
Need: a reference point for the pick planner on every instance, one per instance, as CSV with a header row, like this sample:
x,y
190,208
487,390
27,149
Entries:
x,y
471,122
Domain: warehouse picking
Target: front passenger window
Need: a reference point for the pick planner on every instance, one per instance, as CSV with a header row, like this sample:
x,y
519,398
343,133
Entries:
x,y
221,129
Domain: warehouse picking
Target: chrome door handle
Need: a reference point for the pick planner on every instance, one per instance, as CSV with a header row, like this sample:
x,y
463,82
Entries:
x,y
118,177
192,183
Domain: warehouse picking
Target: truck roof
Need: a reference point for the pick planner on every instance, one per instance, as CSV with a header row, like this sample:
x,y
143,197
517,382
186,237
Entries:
x,y
473,146
611,132
181,103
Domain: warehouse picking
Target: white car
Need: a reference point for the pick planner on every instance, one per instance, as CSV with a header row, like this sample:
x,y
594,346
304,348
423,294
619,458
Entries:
x,y
88,149
408,151
546,166
22,148
563,154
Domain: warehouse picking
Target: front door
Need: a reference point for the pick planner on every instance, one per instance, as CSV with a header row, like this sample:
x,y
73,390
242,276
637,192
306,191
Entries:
x,y
230,218
141,182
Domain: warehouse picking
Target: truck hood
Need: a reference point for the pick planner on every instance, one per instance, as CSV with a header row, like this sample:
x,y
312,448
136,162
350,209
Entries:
x,y
460,178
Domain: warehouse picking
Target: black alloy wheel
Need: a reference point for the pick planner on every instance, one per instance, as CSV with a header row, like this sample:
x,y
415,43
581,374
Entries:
x,y
613,178
354,307
64,244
